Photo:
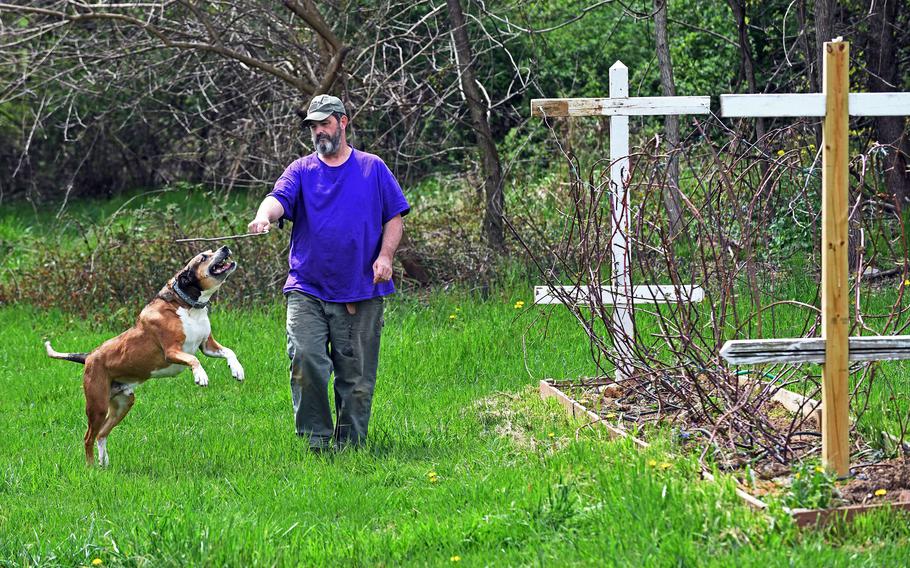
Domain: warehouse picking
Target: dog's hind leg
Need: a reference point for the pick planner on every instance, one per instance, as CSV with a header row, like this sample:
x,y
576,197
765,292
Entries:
x,y
97,394
120,404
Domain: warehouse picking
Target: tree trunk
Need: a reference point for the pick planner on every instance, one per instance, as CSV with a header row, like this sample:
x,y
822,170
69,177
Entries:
x,y
884,76
824,32
672,200
745,49
492,170
806,44
824,29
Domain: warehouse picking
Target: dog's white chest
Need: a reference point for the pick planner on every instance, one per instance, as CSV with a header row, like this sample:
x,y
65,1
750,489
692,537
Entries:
x,y
196,329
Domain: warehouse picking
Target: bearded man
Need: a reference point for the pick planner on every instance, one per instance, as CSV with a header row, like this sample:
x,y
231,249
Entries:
x,y
346,209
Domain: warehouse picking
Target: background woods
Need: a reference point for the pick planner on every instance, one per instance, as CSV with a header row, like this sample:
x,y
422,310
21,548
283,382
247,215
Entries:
x,y
99,98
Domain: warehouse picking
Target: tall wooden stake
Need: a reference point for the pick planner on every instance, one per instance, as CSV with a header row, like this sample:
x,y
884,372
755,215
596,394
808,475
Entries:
x,y
835,286
621,275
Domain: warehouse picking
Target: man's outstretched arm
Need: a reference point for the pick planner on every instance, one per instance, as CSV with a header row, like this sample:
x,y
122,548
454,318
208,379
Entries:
x,y
270,210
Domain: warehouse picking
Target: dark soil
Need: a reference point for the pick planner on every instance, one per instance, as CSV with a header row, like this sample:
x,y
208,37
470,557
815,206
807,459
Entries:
x,y
866,486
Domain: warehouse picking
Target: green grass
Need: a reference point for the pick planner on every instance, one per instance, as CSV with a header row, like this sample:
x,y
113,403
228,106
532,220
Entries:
x,y
215,477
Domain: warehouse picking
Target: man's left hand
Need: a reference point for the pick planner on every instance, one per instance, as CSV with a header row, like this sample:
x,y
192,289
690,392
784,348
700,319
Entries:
x,y
382,269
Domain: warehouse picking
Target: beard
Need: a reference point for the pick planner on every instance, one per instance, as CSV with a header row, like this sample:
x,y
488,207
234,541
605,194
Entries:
x,y
327,145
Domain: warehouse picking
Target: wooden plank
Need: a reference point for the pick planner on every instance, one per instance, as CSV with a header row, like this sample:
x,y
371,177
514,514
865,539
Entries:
x,y
812,350
813,104
665,294
835,286
819,517
576,410
748,498
557,108
809,104
620,106
879,104
793,402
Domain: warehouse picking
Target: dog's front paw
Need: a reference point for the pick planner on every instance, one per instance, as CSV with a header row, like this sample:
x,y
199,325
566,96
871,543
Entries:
x,y
200,376
236,369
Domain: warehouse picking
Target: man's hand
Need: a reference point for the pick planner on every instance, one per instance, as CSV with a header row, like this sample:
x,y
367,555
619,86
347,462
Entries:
x,y
382,269
259,225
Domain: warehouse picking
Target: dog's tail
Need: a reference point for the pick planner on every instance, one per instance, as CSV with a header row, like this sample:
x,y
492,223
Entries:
x,y
74,357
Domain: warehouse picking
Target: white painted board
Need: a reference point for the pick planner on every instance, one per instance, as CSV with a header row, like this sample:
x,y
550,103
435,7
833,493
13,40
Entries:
x,y
621,106
812,350
813,104
665,294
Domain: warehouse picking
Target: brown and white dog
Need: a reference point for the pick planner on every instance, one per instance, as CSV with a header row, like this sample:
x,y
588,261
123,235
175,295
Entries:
x,y
167,334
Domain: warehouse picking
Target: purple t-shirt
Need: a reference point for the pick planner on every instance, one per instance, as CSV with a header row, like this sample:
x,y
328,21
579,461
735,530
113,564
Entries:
x,y
338,213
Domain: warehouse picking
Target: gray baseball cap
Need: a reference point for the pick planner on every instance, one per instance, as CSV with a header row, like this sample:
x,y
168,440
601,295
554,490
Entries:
x,y
322,107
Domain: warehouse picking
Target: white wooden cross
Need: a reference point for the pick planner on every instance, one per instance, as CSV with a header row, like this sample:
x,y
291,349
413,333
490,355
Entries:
x,y
619,107
835,349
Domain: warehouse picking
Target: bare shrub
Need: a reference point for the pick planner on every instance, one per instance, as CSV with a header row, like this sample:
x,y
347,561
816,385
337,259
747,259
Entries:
x,y
750,240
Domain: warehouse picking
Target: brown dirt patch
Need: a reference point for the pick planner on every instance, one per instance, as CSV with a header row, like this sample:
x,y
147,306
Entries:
x,y
891,477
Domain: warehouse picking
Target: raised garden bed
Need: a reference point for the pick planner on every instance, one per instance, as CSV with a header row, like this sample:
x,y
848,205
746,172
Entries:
x,y
872,487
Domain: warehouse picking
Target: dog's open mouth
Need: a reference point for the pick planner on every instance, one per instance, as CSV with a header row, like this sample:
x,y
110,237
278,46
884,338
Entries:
x,y
222,266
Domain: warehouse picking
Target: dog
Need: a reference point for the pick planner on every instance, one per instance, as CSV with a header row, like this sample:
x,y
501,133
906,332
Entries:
x,y
162,343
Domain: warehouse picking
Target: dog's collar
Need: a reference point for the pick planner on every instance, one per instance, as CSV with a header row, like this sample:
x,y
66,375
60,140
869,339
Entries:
x,y
186,298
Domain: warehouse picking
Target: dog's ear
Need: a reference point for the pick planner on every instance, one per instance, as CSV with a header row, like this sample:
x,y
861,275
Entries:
x,y
188,281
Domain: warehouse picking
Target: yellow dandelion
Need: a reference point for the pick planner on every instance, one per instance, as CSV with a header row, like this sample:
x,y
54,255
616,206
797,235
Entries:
x,y
97,562
819,469
431,474
906,282
780,152
453,316
652,463
666,465
519,304
455,558
880,492
797,476
551,434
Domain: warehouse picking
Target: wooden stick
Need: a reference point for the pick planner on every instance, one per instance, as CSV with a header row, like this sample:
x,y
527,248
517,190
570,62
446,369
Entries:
x,y
835,284
226,238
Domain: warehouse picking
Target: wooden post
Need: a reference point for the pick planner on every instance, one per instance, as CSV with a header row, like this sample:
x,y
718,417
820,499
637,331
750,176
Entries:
x,y
621,278
835,286
835,348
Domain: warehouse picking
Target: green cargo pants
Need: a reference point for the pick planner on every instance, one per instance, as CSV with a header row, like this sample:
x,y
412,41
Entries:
x,y
323,337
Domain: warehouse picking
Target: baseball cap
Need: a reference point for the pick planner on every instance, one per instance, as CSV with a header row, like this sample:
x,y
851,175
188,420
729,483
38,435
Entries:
x,y
322,107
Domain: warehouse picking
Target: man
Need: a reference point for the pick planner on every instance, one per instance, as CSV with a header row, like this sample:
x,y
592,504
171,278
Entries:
x,y
346,209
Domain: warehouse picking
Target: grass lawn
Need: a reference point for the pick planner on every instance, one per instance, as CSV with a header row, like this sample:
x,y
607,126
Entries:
x,y
467,465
